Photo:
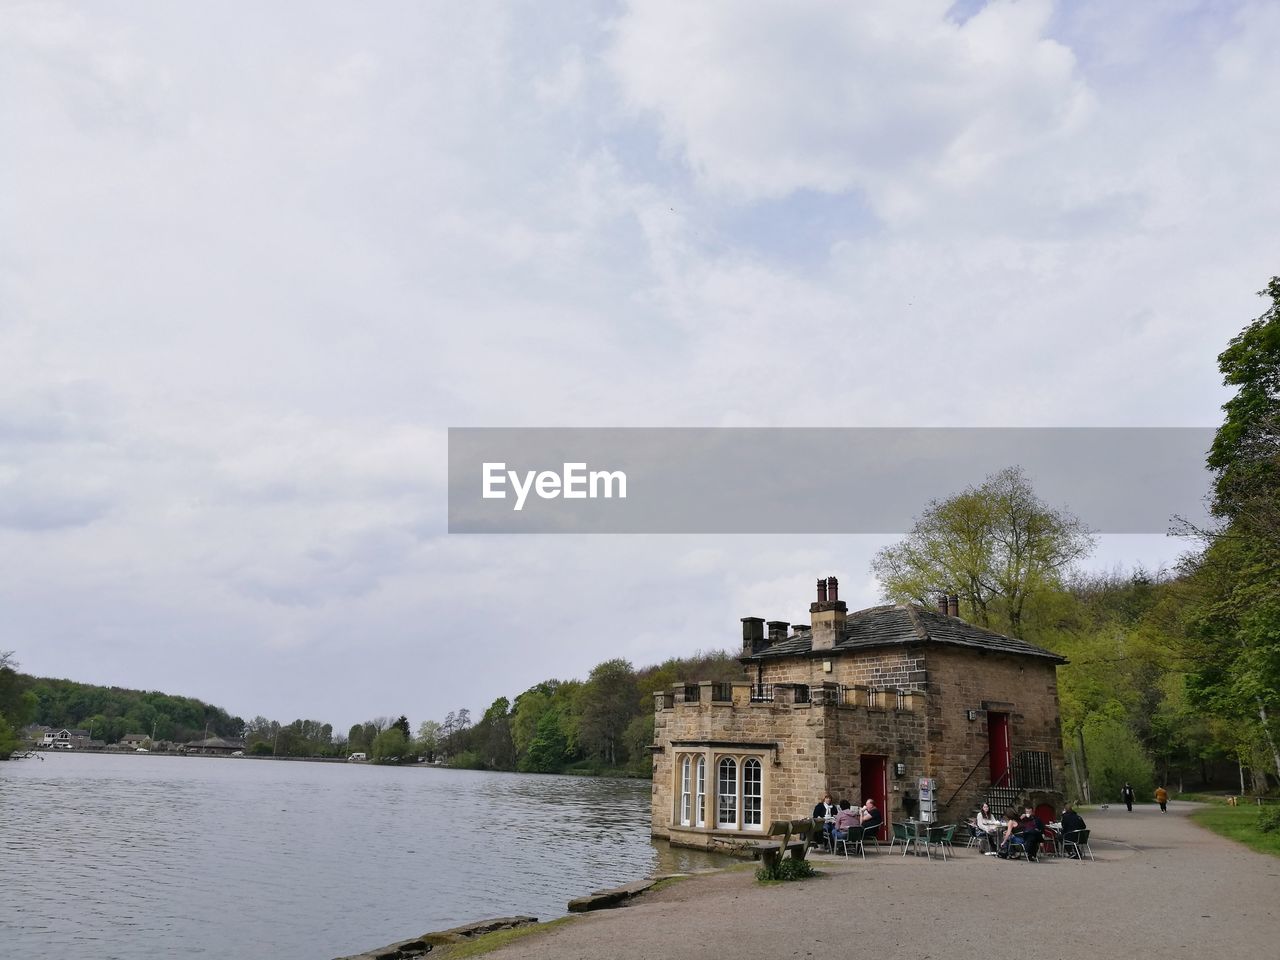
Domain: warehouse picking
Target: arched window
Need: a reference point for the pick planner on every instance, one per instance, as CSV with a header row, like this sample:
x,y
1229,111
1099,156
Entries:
x,y
752,795
727,807
686,800
700,797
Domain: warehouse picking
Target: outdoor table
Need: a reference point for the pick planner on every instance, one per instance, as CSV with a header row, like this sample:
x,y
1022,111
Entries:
x,y
918,831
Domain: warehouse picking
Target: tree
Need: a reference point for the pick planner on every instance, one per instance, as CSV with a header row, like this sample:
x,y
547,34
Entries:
x,y
1234,624
17,704
402,724
428,738
1245,455
608,704
391,746
998,546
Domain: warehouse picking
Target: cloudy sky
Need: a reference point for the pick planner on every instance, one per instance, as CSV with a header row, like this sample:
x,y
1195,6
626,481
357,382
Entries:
x,y
256,259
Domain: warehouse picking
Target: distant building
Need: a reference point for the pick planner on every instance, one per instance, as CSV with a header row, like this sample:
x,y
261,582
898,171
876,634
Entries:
x,y
215,746
872,704
135,741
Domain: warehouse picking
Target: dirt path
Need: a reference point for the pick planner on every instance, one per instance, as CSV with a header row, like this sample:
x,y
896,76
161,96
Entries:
x,y
1162,888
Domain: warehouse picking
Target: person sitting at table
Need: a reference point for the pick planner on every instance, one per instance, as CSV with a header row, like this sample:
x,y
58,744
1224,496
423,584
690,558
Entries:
x,y
986,826
1072,822
1032,832
824,815
846,820
1010,828
871,817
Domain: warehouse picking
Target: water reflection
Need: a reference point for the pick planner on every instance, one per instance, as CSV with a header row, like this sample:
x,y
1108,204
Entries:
x,y
144,857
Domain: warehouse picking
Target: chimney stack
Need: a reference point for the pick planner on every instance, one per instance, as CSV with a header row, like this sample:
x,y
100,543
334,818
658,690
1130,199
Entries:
x,y
827,615
752,635
942,604
953,606
777,630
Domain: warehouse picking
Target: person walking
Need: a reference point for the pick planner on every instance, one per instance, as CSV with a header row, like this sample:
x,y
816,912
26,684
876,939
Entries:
x,y
1127,796
1162,798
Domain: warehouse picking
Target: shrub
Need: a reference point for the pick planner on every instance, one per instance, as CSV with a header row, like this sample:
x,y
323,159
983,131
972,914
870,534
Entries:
x,y
788,869
1269,819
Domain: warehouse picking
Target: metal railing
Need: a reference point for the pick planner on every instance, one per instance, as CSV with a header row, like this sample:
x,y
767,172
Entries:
x,y
762,693
722,693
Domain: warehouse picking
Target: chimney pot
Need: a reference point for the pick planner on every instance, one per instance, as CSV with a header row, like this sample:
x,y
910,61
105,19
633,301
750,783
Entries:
x,y
833,588
752,635
942,604
953,605
822,591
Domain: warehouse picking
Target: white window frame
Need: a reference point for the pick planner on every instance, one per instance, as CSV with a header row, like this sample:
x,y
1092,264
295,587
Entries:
x,y
758,797
723,798
686,798
700,797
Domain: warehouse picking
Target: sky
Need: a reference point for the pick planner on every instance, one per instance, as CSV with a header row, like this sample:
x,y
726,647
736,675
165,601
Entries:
x,y
256,259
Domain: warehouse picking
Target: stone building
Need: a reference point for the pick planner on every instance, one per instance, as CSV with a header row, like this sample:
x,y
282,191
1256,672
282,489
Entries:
x,y
862,705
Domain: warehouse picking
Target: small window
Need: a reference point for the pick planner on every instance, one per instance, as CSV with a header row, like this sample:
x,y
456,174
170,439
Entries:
x,y
700,798
752,795
686,799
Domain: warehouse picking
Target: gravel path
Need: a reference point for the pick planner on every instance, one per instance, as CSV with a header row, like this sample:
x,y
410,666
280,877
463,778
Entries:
x,y
1162,888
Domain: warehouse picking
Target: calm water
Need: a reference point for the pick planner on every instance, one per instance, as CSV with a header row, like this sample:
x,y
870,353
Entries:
x,y
139,857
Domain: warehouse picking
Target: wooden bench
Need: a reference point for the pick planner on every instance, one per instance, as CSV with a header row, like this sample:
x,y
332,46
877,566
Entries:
x,y
783,836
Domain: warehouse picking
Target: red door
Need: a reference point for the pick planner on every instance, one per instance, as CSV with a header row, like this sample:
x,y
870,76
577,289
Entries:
x,y
874,777
998,747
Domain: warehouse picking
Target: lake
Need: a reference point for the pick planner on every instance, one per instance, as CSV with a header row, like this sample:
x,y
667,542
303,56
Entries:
x,y
139,857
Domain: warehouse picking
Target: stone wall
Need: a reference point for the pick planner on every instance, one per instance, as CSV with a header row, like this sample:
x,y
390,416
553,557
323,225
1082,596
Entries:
x,y
960,680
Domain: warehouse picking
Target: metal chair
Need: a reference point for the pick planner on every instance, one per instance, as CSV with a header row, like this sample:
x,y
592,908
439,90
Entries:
x,y
1049,841
872,834
939,837
900,835
1017,848
1076,844
851,838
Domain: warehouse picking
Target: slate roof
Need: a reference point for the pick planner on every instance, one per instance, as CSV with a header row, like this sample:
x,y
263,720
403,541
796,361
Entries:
x,y
901,624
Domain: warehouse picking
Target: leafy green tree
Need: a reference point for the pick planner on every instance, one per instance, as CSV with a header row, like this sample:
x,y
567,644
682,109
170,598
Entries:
x,y
998,546
1234,623
391,746
402,724
548,751
608,705
1115,755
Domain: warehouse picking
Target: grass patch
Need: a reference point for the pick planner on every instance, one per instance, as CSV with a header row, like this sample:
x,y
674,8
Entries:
x,y
492,941
1239,824
784,870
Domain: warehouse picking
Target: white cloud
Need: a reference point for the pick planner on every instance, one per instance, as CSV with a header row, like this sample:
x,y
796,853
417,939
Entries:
x,y
890,98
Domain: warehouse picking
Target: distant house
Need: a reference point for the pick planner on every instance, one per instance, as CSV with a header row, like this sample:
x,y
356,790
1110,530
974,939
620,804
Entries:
x,y
135,741
215,746
66,739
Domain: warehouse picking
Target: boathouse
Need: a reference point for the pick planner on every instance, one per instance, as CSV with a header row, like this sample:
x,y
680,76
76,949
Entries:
x,y
878,703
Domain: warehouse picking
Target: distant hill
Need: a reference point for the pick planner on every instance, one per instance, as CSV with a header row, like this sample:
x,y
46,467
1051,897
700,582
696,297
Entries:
x,y
112,712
